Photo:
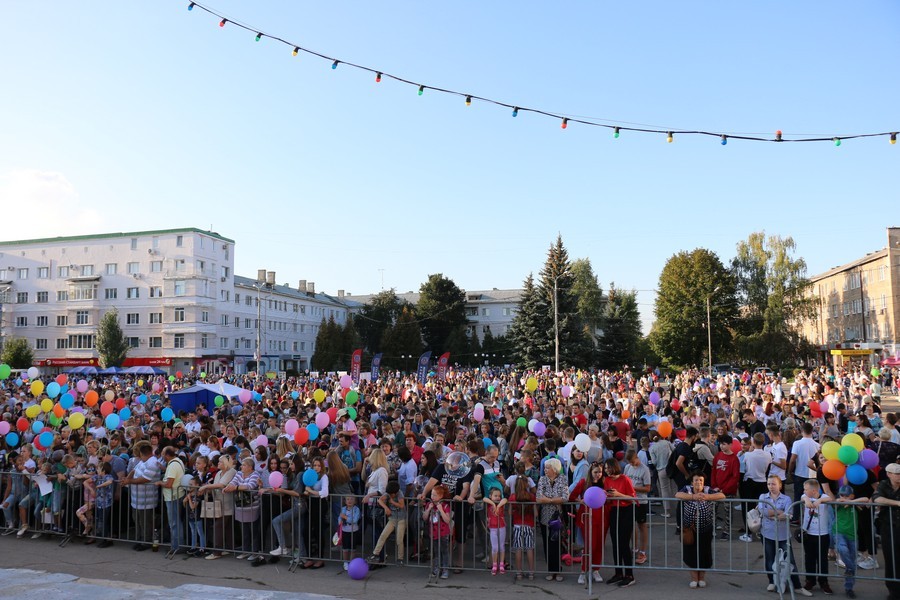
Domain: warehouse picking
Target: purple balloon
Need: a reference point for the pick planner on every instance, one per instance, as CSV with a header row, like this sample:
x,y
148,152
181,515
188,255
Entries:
x,y
712,386
358,569
654,398
868,459
595,497
540,429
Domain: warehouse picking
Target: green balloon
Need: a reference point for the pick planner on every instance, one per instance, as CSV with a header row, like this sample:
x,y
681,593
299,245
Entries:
x,y
202,374
848,455
522,422
5,371
54,420
351,412
219,400
171,378
352,397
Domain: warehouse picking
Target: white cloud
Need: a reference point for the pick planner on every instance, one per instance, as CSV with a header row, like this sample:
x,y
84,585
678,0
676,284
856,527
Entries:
x,y
44,204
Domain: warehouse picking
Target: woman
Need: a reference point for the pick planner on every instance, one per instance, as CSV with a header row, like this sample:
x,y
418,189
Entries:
x,y
773,508
887,451
338,483
620,499
698,516
243,488
578,468
284,448
552,492
219,507
317,495
593,526
295,516
376,485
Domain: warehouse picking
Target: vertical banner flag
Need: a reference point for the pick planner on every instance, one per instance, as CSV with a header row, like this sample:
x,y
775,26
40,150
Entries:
x,y
443,363
376,366
424,363
355,364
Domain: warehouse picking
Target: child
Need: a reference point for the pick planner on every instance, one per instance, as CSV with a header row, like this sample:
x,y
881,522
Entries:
x,y
394,506
103,488
192,503
85,513
497,527
523,514
845,529
349,523
725,477
437,512
816,525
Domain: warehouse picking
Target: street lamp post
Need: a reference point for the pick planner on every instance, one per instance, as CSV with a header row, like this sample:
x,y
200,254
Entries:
x,y
258,286
709,328
556,318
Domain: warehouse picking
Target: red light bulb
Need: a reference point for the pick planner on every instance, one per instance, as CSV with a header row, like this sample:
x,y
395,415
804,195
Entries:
x,y
565,123
222,22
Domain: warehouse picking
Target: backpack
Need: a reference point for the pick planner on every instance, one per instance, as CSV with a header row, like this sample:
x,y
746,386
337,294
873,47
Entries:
x,y
671,466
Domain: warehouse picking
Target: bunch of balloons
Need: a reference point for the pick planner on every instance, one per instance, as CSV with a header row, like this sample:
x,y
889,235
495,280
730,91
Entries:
x,y
850,459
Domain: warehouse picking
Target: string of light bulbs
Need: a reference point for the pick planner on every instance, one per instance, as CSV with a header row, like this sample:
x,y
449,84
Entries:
x,y
564,120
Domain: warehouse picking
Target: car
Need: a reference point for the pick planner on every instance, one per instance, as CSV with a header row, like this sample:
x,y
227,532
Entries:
x,y
721,369
764,371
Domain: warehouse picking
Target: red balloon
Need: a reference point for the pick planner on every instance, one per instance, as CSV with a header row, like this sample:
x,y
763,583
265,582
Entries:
x,y
301,436
332,414
106,408
676,405
179,374
120,403
22,424
37,444
735,446
344,392
62,378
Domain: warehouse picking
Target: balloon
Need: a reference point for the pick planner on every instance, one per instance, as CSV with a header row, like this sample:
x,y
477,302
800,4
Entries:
x,y
487,443
5,372
833,469
120,403
202,374
58,411
830,450
107,408
167,414
4,427
346,381
522,422
18,382
22,424
290,426
91,398
67,401
46,439
81,386
262,440
301,436
257,396
140,383
676,405
457,464
352,397
848,455
37,387
53,389
295,394
595,497
310,477
219,400
531,384
531,425
244,396
478,415
112,421
33,411
76,420
61,379
12,438
313,431
626,414
351,412
322,420
332,414
46,405
490,389
109,395
179,374
868,459
37,426
664,429
540,429
171,378
275,479
54,420
319,395
141,399
583,442
155,387
566,391
735,445
125,414
654,398
857,474
33,373
358,569
854,441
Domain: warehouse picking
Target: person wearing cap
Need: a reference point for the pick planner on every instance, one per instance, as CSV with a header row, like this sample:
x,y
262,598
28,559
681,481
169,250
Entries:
x,y
887,496
846,527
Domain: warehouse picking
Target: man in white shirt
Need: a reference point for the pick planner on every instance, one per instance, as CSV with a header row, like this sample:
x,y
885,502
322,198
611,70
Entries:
x,y
97,429
565,452
802,452
757,463
778,451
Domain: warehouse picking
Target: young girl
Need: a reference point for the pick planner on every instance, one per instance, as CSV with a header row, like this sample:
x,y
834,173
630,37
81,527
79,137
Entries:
x,y
349,520
496,519
437,512
85,514
192,502
523,514
394,506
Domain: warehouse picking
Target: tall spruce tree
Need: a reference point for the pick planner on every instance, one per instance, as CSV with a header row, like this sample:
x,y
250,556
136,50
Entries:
x,y
527,334
403,338
574,346
621,330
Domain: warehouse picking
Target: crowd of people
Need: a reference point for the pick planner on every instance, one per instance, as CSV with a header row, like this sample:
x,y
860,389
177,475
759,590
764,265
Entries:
x,y
489,461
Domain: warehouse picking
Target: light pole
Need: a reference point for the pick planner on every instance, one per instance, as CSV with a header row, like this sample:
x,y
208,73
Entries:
x,y
556,317
258,286
709,328
3,292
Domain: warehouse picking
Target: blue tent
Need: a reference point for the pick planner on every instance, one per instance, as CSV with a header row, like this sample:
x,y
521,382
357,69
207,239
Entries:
x,y
202,393
143,371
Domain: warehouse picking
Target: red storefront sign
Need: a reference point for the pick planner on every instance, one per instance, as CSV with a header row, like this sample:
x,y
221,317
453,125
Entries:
x,y
147,362
67,362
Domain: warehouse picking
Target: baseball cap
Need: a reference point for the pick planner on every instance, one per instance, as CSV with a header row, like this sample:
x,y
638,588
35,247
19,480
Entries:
x,y
893,468
846,490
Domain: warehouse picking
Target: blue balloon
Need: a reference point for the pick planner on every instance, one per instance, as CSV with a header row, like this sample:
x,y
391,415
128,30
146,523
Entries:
x,y
310,477
856,474
67,401
112,421
125,414
295,394
12,438
64,388
142,398
46,439
487,442
52,389
257,396
37,426
167,414
313,430
18,381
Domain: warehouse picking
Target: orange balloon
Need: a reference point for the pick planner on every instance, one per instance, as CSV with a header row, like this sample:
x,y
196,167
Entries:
x,y
625,414
834,469
664,429
91,397
59,411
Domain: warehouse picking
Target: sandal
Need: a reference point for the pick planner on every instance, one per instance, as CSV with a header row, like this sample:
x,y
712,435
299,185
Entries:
x,y
560,578
531,577
520,576
549,577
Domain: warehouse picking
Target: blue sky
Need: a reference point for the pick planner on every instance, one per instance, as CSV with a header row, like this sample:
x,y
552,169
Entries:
x,y
123,116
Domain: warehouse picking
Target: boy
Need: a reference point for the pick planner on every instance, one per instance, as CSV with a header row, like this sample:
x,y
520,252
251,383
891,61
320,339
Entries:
x,y
816,525
845,529
725,477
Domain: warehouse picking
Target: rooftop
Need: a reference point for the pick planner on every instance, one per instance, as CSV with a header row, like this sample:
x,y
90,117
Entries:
x,y
125,234
286,290
870,257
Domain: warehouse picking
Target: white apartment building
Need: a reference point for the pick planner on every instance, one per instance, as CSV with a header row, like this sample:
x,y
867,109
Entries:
x,y
180,305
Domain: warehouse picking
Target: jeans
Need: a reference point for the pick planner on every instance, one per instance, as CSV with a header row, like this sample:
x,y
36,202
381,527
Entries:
x,y
173,512
292,518
440,554
9,512
101,520
143,524
770,548
846,549
198,533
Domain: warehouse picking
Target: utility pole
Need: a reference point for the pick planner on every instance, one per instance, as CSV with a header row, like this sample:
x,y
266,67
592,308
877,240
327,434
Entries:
x,y
709,329
3,292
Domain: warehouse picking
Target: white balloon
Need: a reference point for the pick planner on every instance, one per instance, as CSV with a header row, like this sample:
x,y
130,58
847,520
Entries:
x,y
479,406
583,442
531,425
33,373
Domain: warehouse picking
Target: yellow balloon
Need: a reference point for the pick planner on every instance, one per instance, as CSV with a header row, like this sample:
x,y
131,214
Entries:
x,y
140,383
854,441
531,384
37,387
110,395
46,405
319,395
32,411
830,450
76,420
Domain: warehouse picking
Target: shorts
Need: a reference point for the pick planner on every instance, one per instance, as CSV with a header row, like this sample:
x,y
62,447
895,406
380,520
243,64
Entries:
x,y
522,537
640,513
349,540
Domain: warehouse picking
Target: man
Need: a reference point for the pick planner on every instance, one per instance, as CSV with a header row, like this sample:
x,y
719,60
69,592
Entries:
x,y
193,425
802,452
888,496
352,459
172,494
756,465
143,493
565,453
97,429
660,450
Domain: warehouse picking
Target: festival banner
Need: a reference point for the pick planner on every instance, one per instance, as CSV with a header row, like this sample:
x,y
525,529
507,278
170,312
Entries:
x,y
376,366
443,364
355,364
424,363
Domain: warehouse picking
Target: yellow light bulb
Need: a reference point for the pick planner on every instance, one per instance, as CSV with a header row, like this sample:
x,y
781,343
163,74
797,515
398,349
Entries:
x,y
670,137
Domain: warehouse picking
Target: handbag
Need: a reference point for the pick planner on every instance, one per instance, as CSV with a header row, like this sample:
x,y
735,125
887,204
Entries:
x,y
754,520
211,509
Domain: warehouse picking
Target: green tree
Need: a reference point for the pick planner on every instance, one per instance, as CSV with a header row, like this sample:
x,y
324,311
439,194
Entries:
x,y
441,310
679,335
527,335
111,344
17,353
557,285
621,338
589,296
377,315
327,356
402,338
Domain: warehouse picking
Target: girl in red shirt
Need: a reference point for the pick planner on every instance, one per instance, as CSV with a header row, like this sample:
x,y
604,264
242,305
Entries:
x,y
595,535
496,519
620,499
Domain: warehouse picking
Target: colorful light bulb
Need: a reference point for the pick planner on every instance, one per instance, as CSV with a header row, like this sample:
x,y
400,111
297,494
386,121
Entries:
x,y
670,137
515,111
334,64
616,132
778,136
222,22
421,89
565,123
191,6
837,141
296,51
468,100
377,77
893,138
258,36
724,140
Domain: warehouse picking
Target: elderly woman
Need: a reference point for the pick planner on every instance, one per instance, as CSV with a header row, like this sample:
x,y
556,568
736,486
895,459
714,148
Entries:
x,y
219,507
552,492
243,487
698,516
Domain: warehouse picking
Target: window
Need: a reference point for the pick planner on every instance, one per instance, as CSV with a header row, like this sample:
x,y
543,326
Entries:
x,y
133,293
246,323
62,295
180,288
156,342
62,272
179,314
179,241
134,268
156,291
21,297
204,316
246,344
507,312
225,295
237,321
226,271
81,317
179,265
134,243
882,273
302,346
294,346
81,342
21,321
225,320
83,291
202,244
43,321
223,342
156,266
204,340
44,273
155,318
112,268
62,320
201,266
87,270
248,300
62,343
237,298
40,344
133,319
111,293
134,342
23,273
485,312
155,242
178,340
43,297
237,343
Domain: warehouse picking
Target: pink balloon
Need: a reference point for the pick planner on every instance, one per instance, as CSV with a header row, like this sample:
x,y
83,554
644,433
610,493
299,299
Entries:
x,y
245,396
4,427
346,381
82,386
275,479
322,420
262,441
478,415
290,427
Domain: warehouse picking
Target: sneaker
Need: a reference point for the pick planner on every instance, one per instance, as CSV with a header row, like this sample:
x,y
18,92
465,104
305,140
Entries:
x,y
22,530
840,563
375,558
693,584
804,592
37,535
851,594
641,557
241,556
701,583
868,563
346,565
445,574
279,551
666,515
770,587
597,577
581,579
614,579
626,582
9,531
213,556
746,538
252,557
826,589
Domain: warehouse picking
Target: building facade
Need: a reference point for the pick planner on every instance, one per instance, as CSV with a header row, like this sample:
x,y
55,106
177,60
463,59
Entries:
x,y
180,304
858,308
